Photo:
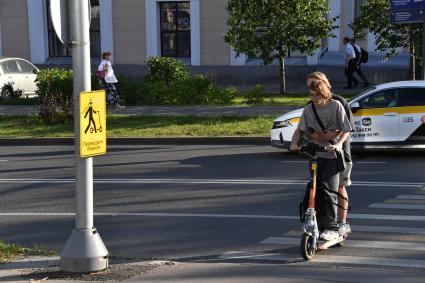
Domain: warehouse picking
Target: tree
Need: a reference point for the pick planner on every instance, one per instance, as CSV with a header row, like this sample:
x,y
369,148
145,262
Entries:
x,y
376,18
270,28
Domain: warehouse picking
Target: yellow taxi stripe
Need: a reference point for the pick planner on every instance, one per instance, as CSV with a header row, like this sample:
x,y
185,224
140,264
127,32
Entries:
x,y
294,120
381,111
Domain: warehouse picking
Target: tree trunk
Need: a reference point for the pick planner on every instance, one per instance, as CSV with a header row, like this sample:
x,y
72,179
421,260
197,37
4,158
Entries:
x,y
282,72
412,58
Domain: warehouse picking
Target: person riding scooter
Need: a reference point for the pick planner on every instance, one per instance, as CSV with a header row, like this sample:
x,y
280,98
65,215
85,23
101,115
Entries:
x,y
325,114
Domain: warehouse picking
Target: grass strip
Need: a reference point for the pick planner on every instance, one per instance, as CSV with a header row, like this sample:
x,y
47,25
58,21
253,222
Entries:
x,y
144,126
12,251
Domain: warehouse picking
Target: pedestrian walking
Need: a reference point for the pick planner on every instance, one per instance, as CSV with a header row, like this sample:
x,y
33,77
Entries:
x,y
358,51
349,63
108,81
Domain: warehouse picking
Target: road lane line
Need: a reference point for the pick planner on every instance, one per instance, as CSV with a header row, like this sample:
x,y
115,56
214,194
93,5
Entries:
x,y
397,206
355,162
373,261
418,197
409,246
419,218
206,181
3,160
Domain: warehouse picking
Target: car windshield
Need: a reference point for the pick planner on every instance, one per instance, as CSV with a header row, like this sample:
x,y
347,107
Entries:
x,y
363,92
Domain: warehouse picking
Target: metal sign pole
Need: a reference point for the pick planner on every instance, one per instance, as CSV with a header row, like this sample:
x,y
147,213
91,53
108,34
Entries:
x,y
423,43
84,250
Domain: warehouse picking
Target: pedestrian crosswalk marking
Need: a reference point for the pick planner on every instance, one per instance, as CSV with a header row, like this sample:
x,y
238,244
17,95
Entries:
x,y
372,229
397,206
354,243
376,261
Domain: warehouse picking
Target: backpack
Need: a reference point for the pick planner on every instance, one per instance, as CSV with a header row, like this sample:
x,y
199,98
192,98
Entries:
x,y
364,56
356,52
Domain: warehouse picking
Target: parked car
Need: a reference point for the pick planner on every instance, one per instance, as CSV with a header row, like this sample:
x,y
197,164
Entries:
x,y
390,115
17,76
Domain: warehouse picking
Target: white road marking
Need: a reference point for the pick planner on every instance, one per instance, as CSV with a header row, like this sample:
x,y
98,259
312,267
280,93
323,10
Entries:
x,y
207,181
419,218
419,197
3,160
355,162
388,229
387,217
397,206
377,261
410,246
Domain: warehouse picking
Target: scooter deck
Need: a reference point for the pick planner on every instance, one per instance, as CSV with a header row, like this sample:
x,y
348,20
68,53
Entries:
x,y
324,245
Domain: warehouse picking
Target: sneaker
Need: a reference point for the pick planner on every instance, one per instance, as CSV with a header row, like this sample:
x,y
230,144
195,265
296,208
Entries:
x,y
117,106
329,235
344,228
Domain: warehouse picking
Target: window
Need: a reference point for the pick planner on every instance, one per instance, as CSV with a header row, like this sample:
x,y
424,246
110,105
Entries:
x,y
57,49
10,67
412,97
175,29
26,67
382,99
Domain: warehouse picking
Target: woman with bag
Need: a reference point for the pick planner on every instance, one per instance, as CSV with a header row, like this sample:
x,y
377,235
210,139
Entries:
x,y
322,115
107,80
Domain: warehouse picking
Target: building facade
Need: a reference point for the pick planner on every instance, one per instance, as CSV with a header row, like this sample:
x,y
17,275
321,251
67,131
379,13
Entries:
x,y
134,30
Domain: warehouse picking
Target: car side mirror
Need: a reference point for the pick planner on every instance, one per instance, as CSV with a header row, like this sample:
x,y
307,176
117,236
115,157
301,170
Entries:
x,y
355,106
35,71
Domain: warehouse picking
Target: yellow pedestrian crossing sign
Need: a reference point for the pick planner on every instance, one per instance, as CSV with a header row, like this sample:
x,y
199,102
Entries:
x,y
92,123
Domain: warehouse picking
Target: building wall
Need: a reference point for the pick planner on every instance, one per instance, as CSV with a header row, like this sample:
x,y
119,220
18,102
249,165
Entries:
x,y
14,24
214,50
129,28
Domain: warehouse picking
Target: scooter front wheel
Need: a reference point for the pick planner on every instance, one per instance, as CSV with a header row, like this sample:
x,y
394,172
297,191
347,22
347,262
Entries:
x,y
307,248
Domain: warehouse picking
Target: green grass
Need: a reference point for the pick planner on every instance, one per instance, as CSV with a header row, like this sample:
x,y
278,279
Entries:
x,y
11,251
144,126
272,99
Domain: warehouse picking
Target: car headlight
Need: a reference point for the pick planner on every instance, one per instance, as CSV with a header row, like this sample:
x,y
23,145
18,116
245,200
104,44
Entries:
x,y
281,124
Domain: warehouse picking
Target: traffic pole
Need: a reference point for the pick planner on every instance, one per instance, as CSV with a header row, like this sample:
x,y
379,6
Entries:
x,y
423,41
84,251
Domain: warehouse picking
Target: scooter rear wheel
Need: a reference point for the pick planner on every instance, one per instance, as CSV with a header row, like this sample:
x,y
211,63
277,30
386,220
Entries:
x,y
307,248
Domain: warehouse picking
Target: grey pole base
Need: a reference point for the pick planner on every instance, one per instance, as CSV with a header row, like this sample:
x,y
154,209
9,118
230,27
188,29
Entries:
x,y
84,252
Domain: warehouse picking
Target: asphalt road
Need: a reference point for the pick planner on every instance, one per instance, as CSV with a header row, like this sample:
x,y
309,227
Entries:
x,y
213,203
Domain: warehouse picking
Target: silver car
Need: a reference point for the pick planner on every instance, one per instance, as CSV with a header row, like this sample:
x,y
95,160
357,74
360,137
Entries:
x,y
17,76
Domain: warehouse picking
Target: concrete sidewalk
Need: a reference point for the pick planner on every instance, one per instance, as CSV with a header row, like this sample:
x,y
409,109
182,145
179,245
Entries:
x,y
41,269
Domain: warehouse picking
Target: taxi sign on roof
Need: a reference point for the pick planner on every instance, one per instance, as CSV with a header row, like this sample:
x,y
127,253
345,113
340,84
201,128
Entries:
x,y
92,123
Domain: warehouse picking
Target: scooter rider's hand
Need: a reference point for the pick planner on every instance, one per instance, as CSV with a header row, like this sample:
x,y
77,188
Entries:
x,y
334,147
327,135
294,147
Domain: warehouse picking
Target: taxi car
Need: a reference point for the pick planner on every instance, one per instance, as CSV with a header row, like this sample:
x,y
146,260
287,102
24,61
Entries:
x,y
390,115
17,74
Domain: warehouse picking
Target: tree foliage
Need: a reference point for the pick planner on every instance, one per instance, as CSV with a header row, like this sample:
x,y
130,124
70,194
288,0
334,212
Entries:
x,y
269,28
375,17
262,27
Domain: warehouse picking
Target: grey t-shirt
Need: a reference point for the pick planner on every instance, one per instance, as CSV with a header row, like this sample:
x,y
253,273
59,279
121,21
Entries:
x,y
333,117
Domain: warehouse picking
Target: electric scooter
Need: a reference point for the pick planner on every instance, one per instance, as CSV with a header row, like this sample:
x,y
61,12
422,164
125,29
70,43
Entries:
x,y
310,242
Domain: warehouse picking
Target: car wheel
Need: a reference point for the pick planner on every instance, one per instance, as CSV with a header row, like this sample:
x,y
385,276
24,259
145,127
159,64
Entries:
x,y
6,92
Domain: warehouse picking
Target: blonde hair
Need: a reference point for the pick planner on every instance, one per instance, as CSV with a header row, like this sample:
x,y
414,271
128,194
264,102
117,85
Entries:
x,y
320,84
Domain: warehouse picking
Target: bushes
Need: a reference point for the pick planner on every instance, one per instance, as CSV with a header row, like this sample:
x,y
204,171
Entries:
x,y
169,82
54,89
166,69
